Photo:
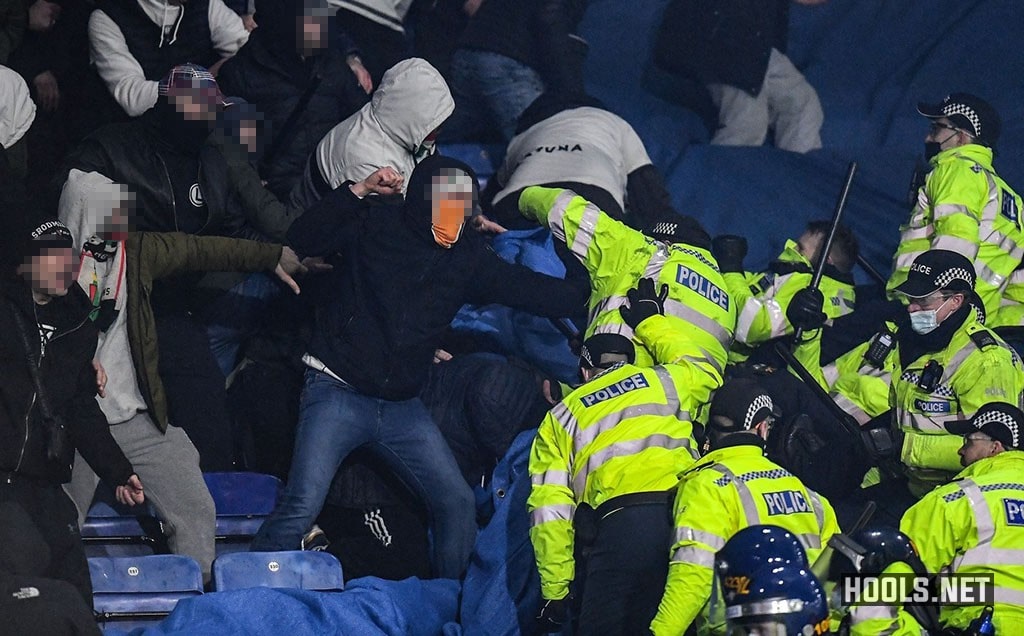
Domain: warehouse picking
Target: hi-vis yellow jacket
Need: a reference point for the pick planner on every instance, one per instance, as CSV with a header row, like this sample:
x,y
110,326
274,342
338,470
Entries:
x,y
975,525
629,430
977,368
732,488
762,298
965,207
617,256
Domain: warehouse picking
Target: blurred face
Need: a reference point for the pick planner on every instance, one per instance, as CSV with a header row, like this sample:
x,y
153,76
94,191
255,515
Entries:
x,y
198,104
312,34
50,273
976,446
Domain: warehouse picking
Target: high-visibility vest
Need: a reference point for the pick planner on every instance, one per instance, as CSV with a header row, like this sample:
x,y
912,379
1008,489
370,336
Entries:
x,y
617,256
730,489
965,207
975,525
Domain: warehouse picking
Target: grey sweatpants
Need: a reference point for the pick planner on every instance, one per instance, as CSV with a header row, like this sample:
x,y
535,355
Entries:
x,y
787,103
168,465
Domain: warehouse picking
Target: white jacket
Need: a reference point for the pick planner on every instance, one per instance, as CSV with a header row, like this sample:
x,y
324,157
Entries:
x,y
122,73
17,110
390,13
411,101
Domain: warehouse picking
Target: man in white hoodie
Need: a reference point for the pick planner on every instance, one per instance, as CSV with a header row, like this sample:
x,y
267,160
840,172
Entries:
x,y
133,43
397,128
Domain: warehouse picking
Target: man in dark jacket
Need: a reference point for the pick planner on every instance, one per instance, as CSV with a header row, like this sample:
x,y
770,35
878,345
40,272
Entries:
x,y
737,48
288,72
403,273
182,182
511,52
46,413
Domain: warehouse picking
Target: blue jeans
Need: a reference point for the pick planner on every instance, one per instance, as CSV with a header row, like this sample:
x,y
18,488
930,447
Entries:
x,y
491,91
233,318
334,419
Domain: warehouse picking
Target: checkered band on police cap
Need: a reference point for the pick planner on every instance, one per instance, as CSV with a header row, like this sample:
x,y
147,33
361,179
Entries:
x,y
938,269
969,113
743,402
665,228
998,420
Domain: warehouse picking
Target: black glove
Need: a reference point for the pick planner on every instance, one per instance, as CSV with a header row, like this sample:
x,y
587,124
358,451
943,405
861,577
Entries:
x,y
552,616
643,302
729,250
804,311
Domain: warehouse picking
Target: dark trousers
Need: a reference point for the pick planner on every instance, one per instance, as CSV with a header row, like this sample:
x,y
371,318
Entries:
x,y
39,535
624,570
34,606
196,397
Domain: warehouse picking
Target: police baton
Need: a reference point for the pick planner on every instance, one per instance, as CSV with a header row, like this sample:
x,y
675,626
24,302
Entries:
x,y
845,419
871,271
819,269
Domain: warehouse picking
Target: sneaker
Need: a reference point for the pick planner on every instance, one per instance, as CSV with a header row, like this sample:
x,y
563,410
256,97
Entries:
x,y
315,540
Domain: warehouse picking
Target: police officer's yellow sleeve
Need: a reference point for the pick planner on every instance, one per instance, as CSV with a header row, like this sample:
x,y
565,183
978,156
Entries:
x,y
703,524
599,241
938,527
989,375
668,344
552,506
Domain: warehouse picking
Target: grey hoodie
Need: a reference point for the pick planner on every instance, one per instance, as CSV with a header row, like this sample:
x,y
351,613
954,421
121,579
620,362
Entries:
x,y
411,101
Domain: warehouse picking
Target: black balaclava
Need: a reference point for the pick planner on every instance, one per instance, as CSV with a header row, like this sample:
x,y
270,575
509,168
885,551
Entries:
x,y
170,126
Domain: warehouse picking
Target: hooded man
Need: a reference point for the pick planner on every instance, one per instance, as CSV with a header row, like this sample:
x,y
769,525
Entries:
x,y
118,267
397,128
302,87
134,43
401,274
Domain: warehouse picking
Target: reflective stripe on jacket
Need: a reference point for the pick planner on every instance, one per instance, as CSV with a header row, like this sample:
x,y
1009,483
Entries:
x,y
965,207
761,299
975,525
617,256
732,488
629,430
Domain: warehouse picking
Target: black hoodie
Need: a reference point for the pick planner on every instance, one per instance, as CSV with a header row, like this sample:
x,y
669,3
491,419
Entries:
x,y
393,290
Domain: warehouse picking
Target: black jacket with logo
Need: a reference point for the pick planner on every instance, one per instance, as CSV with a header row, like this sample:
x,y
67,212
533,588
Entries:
x,y
69,381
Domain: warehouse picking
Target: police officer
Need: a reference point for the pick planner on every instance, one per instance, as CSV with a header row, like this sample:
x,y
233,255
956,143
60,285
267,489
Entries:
x,y
944,367
761,298
608,455
964,206
675,252
766,587
975,525
732,487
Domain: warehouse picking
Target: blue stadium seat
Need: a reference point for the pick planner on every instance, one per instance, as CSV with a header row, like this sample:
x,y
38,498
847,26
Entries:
x,y
243,500
110,523
319,571
141,590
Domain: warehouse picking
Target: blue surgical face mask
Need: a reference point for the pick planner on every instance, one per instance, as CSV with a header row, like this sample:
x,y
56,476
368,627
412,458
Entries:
x,y
926,320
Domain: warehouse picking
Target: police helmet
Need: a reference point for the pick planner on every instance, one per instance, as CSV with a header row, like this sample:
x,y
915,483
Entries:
x,y
782,598
871,550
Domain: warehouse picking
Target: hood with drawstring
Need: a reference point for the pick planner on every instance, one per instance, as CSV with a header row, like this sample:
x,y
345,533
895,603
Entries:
x,y
411,102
